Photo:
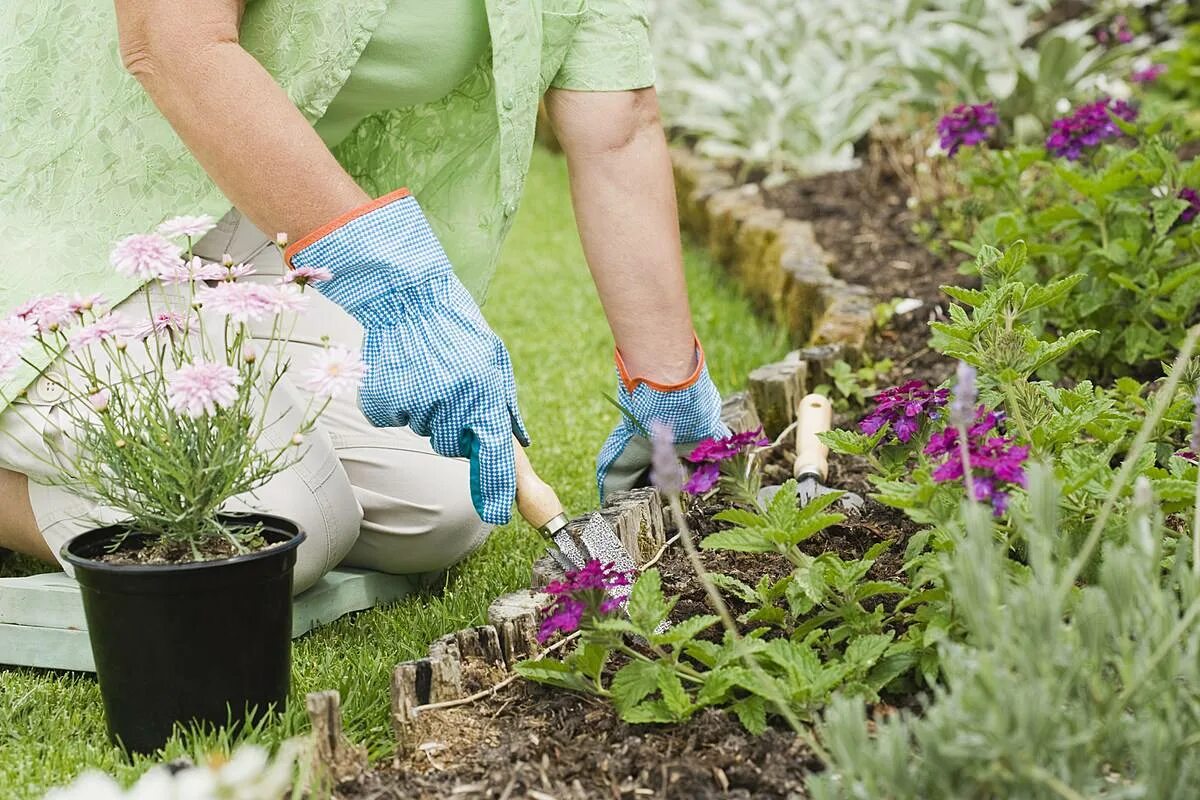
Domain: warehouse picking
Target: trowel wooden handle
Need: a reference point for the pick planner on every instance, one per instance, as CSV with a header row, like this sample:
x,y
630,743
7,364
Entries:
x,y
536,501
814,415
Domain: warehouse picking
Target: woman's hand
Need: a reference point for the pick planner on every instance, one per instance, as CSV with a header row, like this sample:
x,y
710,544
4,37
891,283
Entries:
x,y
237,121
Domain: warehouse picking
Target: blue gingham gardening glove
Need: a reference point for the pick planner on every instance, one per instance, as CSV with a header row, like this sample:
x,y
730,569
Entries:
x,y
692,408
433,364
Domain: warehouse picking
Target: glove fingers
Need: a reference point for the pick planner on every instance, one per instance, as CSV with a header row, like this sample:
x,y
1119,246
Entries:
x,y
493,471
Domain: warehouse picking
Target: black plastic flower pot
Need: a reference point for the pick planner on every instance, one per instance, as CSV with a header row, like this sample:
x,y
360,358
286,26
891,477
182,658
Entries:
x,y
203,643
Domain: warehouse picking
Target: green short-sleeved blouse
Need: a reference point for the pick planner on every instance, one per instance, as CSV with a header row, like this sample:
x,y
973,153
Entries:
x,y
85,158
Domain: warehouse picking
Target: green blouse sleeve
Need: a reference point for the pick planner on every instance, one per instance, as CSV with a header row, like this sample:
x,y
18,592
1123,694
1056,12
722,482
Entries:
x,y
610,50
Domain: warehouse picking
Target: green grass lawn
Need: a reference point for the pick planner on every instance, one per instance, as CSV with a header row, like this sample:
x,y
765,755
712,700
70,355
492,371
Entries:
x,y
544,306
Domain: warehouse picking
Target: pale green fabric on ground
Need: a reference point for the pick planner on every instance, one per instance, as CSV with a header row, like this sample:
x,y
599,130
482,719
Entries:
x,y
419,53
85,157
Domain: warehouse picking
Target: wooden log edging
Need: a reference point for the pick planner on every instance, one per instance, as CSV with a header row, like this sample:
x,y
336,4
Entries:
x,y
777,259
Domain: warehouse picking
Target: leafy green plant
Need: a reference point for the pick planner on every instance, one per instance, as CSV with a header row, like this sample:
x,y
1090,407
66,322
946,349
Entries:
x,y
848,386
1056,691
809,635
1118,222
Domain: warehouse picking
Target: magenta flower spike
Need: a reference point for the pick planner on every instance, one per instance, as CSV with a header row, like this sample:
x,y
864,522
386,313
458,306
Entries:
x,y
709,454
997,462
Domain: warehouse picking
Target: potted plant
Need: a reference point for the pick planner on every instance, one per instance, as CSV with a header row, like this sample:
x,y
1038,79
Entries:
x,y
188,606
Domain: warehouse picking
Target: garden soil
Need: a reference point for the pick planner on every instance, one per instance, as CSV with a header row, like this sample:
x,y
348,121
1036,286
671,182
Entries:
x,y
861,218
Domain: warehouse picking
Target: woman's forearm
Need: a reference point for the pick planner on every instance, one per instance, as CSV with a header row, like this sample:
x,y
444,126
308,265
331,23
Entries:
x,y
624,198
236,120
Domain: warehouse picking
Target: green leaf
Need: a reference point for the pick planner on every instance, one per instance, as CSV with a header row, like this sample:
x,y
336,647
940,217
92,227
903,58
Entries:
x,y
589,659
554,673
737,588
739,540
849,443
1166,213
634,682
647,608
674,696
864,651
645,713
752,713
683,632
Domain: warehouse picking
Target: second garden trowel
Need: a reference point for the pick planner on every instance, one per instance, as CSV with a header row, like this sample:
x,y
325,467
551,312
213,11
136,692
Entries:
x,y
541,508
814,415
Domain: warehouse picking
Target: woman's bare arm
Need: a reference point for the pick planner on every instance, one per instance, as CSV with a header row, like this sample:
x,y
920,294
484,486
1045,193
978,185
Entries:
x,y
624,198
233,116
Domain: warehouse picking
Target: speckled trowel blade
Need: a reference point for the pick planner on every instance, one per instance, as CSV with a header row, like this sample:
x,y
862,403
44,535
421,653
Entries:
x,y
568,551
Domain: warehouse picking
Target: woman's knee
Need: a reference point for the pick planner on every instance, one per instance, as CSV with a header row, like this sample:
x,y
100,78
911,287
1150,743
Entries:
x,y
417,510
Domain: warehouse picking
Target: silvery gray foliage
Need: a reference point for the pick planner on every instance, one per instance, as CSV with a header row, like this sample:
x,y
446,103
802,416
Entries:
x,y
1089,691
793,84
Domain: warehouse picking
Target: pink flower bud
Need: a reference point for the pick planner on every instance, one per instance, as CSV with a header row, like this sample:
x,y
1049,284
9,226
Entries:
x,y
100,399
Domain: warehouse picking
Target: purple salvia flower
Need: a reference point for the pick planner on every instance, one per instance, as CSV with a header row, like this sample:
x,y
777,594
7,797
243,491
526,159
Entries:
x,y
966,125
965,395
904,408
666,473
1087,127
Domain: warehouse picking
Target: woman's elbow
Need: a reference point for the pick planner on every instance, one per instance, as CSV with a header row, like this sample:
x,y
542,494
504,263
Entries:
x,y
594,123
158,49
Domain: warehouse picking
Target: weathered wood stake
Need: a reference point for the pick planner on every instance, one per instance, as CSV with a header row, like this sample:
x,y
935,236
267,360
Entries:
x,y
334,754
777,389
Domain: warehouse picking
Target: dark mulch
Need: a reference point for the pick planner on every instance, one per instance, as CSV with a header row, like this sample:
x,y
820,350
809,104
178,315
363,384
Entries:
x,y
861,219
531,742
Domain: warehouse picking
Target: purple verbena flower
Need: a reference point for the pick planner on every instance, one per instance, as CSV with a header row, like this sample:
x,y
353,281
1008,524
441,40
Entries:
x,y
1147,74
709,454
582,596
724,448
997,462
904,407
1193,209
703,478
968,125
1090,125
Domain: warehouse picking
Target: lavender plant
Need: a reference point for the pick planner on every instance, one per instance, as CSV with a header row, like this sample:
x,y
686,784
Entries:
x,y
167,414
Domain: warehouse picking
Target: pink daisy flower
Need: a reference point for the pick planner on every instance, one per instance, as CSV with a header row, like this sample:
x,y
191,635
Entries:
x,y
100,400
191,227
48,313
168,322
232,272
239,301
199,389
145,256
81,303
288,299
334,372
306,275
109,327
194,269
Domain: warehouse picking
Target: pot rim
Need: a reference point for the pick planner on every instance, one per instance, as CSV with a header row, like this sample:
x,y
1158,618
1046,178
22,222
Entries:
x,y
278,524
